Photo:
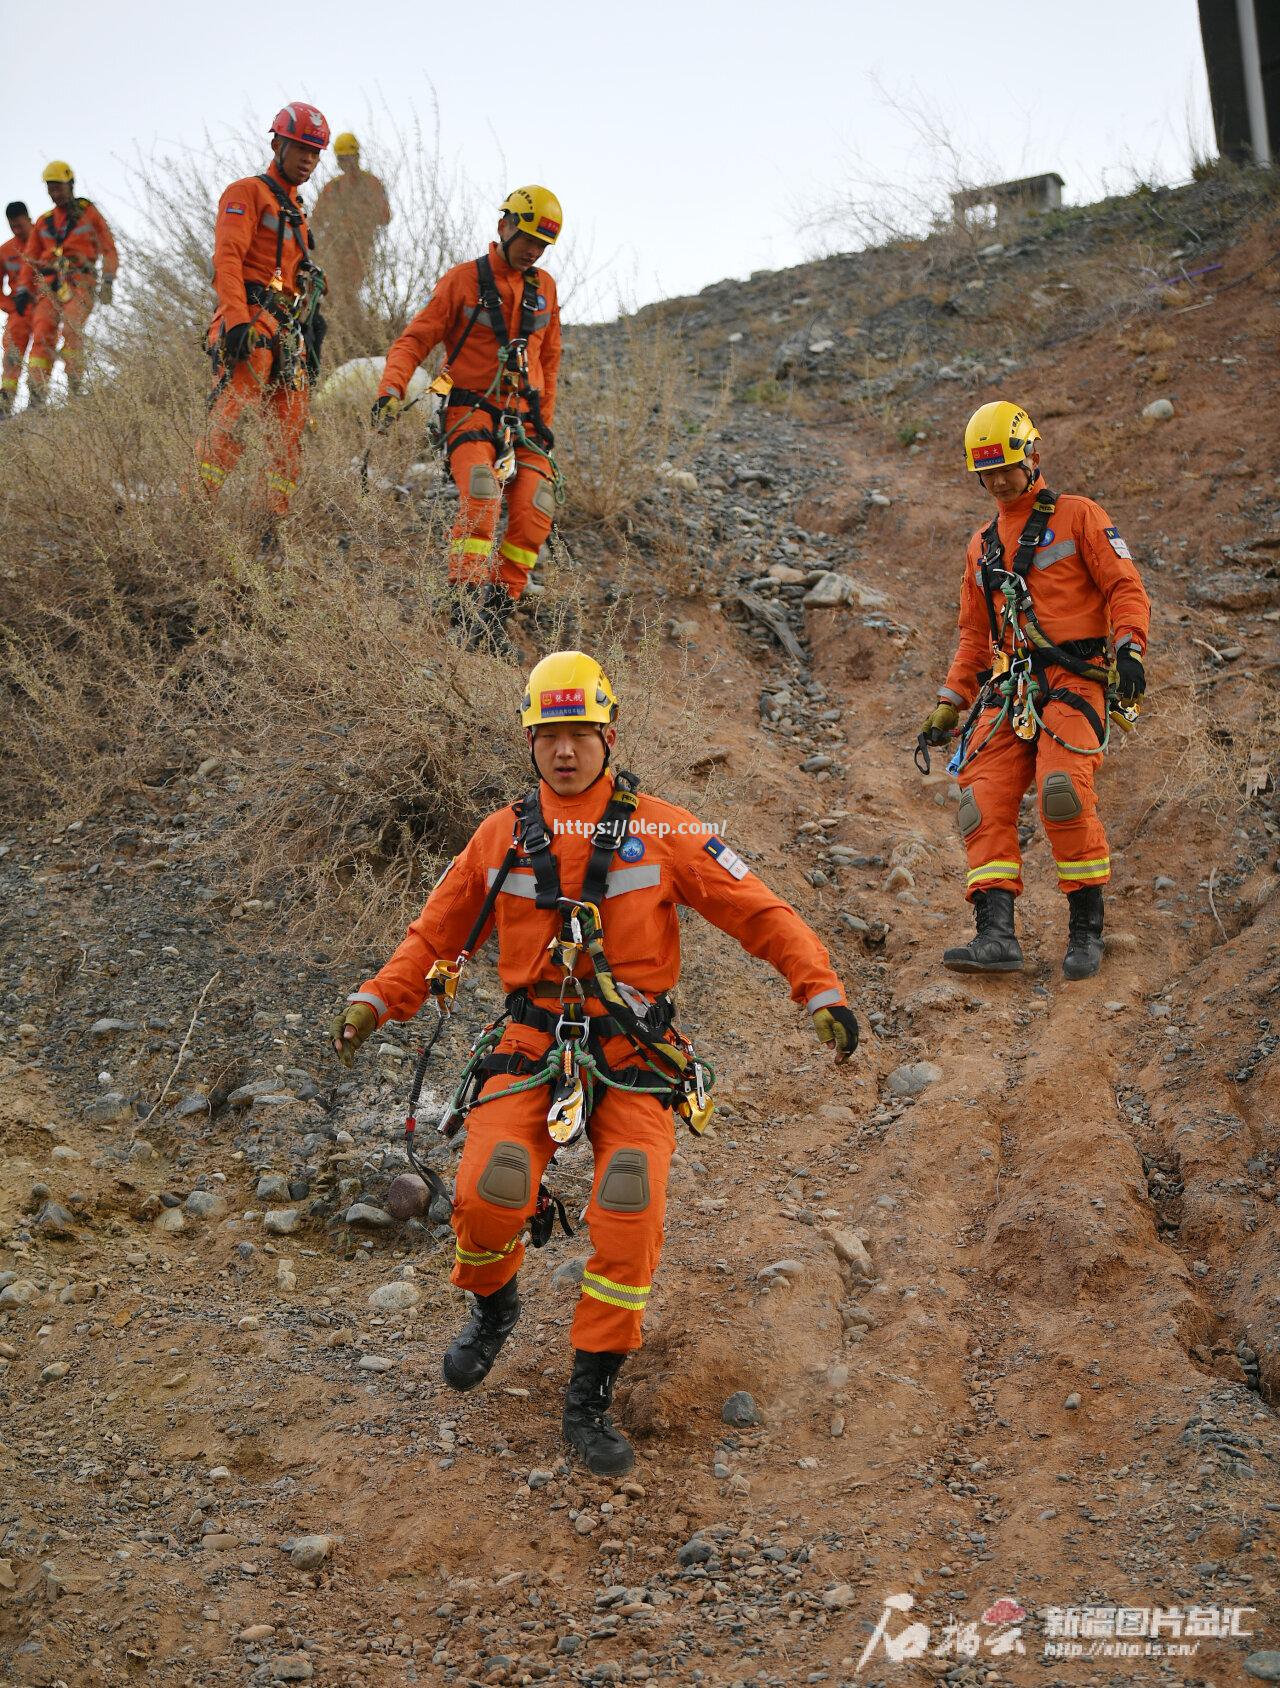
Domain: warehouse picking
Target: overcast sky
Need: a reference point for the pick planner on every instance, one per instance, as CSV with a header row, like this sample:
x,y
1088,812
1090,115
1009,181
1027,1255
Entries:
x,y
687,141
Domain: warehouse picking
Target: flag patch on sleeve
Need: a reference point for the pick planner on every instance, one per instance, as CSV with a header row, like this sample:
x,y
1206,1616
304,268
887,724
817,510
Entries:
x,y
1118,545
235,210
732,863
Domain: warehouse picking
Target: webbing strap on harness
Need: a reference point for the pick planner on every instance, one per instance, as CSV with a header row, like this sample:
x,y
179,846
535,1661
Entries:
x,y
513,362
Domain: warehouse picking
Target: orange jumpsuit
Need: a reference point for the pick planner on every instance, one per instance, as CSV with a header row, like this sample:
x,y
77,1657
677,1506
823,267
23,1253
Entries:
x,y
1084,585
652,875
349,212
17,329
61,270
530,499
246,239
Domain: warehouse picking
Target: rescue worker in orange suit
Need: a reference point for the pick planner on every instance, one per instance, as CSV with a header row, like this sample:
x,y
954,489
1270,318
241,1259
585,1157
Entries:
x,y
17,324
266,334
665,860
1075,585
60,280
498,319
349,211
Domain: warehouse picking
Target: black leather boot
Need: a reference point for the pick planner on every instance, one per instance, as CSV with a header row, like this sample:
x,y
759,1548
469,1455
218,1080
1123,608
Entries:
x,y
994,948
588,1429
469,1358
490,631
1084,934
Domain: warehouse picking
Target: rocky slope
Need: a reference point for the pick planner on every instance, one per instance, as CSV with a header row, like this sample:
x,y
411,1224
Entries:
x,y
992,1313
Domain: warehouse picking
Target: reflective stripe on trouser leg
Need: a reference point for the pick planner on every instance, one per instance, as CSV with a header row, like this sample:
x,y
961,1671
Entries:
x,y
1079,844
997,777
487,1247
626,1240
219,451
471,545
530,510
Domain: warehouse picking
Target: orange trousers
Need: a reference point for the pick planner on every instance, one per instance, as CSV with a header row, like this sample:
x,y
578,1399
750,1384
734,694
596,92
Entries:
x,y
48,316
17,336
530,511
506,1154
282,410
1001,773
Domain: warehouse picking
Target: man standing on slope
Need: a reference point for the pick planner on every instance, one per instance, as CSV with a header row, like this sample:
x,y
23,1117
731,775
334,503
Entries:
x,y
17,324
61,275
589,876
1045,583
266,334
349,211
498,319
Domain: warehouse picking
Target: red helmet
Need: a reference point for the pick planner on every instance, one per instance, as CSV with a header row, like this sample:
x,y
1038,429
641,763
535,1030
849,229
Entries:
x,y
302,123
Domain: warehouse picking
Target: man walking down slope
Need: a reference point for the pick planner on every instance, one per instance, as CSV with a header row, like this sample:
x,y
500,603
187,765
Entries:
x,y
17,323
582,880
61,276
498,319
1045,584
266,334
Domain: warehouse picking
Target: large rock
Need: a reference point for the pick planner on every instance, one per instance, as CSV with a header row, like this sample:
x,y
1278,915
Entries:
x,y
913,1078
282,1221
365,1213
395,1298
408,1197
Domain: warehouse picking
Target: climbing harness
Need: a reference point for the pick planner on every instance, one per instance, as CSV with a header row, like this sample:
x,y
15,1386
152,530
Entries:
x,y
501,402
574,1068
57,275
1022,653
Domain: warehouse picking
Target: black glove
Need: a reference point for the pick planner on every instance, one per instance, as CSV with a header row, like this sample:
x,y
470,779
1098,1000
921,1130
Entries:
x,y
235,343
1131,676
386,407
838,1026
22,300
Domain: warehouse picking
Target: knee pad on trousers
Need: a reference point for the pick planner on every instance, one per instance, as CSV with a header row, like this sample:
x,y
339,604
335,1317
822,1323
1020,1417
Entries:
x,y
969,814
625,1185
544,498
1059,799
507,1176
483,482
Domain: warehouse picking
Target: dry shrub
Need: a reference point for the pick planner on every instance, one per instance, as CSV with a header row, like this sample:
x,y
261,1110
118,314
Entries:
x,y
622,413
1207,741
356,747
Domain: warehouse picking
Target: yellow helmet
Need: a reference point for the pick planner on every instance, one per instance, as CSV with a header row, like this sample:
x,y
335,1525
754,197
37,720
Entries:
x,y
346,145
58,171
538,211
568,686
998,433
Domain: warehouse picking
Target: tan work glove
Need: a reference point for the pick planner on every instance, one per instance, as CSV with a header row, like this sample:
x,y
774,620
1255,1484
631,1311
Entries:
x,y
838,1026
941,723
106,289
349,1028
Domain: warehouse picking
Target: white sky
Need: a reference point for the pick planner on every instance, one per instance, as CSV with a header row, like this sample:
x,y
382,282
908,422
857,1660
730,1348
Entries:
x,y
686,141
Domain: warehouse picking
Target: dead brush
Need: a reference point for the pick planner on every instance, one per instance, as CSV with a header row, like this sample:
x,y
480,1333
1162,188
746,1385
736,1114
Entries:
x,y
621,414
1205,746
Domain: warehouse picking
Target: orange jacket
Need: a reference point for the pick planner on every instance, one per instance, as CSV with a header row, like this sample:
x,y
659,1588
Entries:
x,y
354,203
245,240
651,877
12,264
1084,585
446,315
80,232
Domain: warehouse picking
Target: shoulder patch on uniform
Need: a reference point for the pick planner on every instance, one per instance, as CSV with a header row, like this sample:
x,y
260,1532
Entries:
x,y
732,863
1118,545
235,210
